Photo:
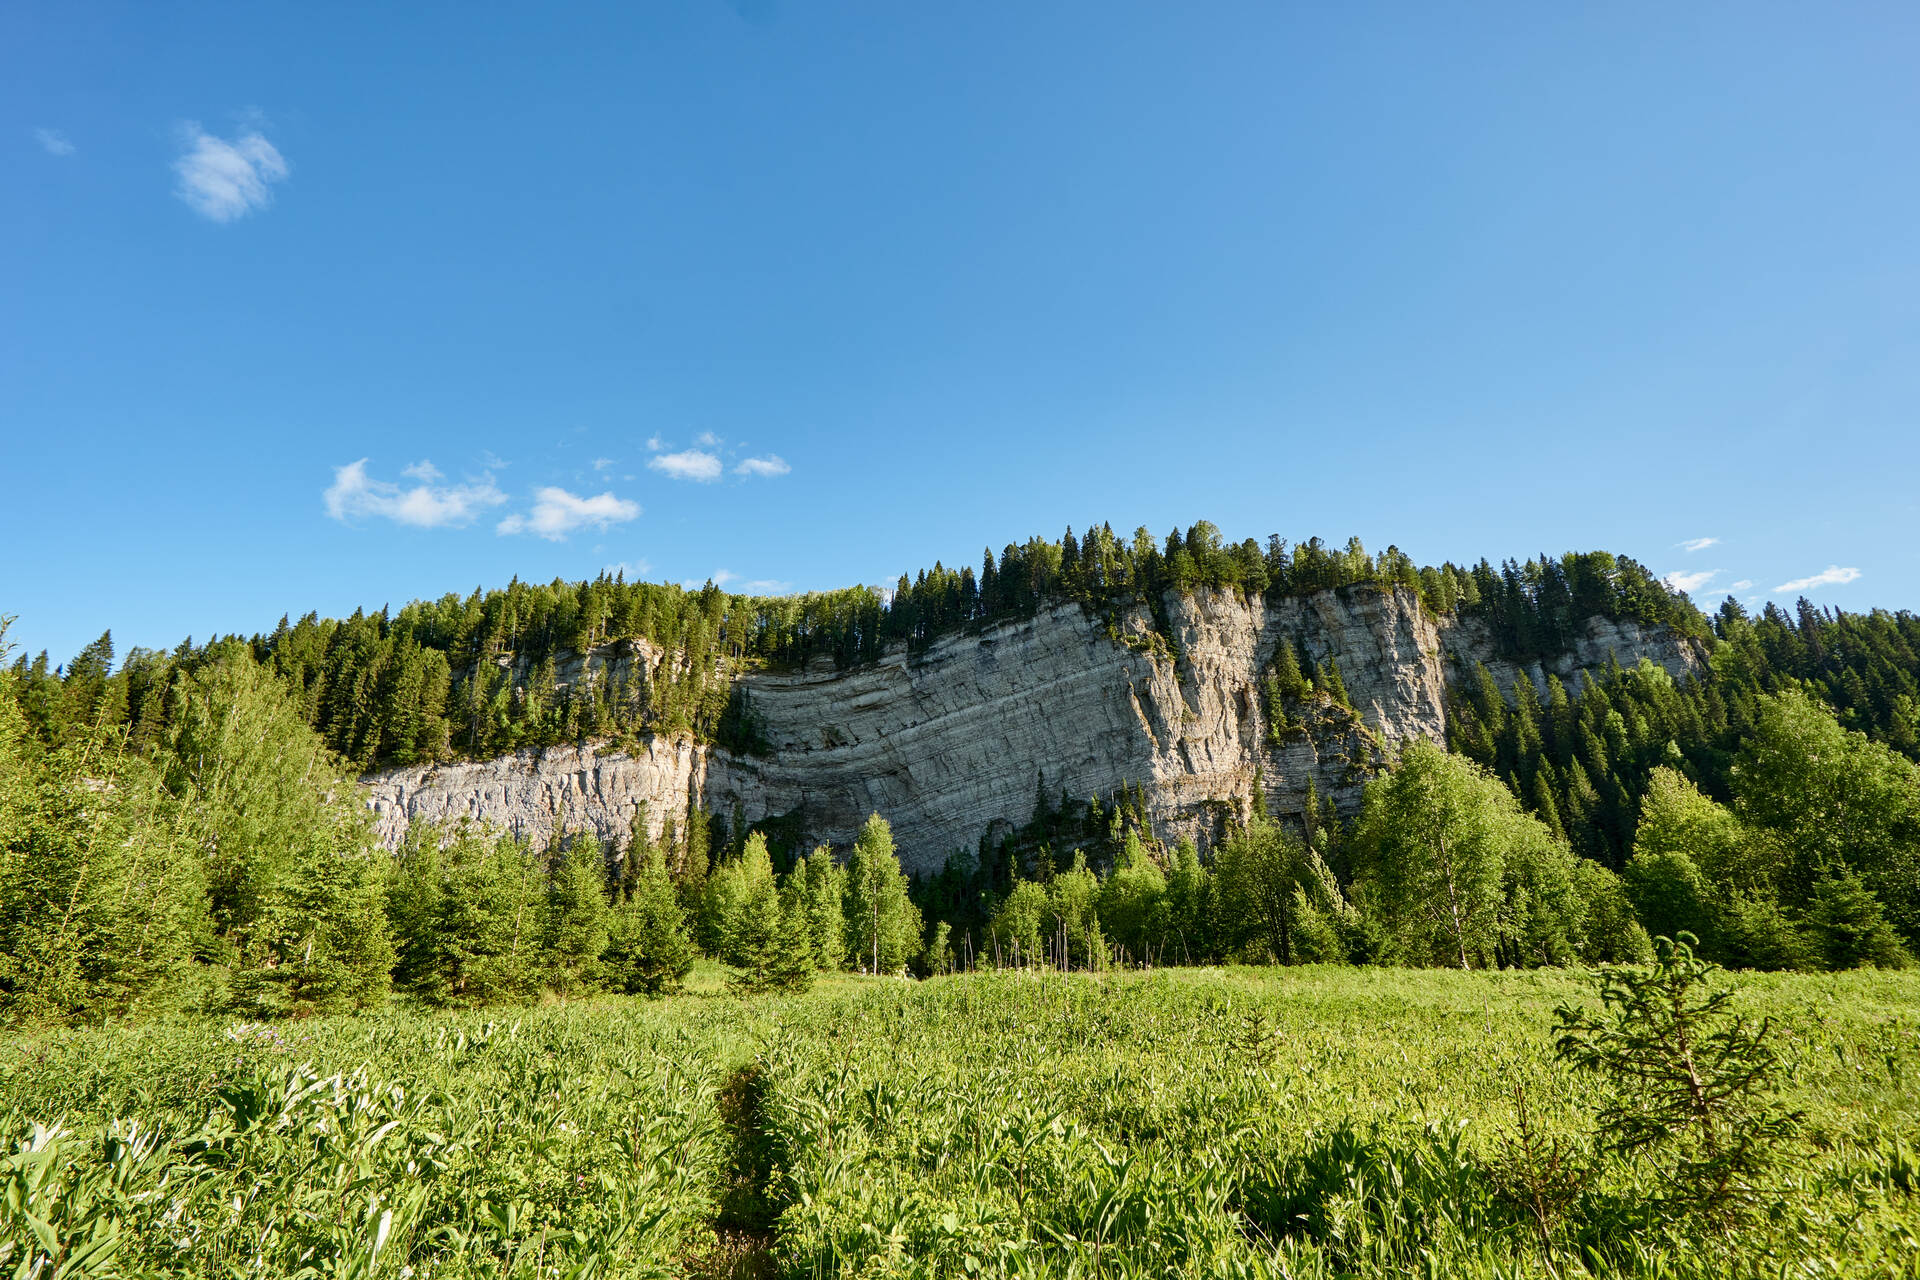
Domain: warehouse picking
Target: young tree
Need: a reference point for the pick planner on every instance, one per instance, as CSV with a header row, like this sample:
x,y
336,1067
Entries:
x,y
777,948
574,928
826,897
466,907
1691,1083
1543,913
1260,870
1433,839
295,881
1190,907
1676,818
1614,934
741,907
1847,928
883,925
649,951
1842,803
1019,922
1133,900
1671,896
1073,935
102,901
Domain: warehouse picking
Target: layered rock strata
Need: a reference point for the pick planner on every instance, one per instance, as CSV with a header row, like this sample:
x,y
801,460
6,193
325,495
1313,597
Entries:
x,y
950,743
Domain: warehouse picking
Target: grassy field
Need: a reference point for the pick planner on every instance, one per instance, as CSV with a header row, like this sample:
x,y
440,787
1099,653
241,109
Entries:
x,y
1299,1122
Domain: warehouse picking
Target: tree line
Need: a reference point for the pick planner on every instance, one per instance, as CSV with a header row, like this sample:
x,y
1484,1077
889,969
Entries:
x,y
477,676
225,865
206,851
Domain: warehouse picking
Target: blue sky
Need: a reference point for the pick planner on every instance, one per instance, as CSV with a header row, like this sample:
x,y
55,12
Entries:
x,y
315,307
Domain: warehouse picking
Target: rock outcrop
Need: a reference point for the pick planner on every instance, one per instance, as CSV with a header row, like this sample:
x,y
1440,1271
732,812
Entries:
x,y
952,741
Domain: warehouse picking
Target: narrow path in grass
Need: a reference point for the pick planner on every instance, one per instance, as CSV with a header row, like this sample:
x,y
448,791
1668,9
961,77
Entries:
x,y
743,1226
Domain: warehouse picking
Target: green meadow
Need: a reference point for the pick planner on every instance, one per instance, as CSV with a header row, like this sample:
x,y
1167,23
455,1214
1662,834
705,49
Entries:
x,y
1311,1121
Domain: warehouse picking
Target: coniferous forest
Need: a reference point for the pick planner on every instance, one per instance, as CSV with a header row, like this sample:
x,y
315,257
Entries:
x,y
180,828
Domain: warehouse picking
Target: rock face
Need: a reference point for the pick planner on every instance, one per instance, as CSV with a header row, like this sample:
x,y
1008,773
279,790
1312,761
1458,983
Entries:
x,y
951,742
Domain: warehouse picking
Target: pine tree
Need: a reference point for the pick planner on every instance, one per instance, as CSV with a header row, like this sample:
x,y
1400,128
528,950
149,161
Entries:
x,y
574,930
1330,683
826,894
465,908
740,910
1848,928
649,950
780,957
102,901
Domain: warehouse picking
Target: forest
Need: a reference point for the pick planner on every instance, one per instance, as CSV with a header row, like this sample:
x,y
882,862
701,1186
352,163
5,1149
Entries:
x,y
474,677
180,830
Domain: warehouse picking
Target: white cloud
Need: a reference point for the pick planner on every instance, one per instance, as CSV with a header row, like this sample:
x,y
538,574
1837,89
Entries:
x,y
556,513
53,142
1741,585
601,464
1698,544
634,570
426,505
771,465
689,464
655,443
1690,582
708,439
1831,576
728,580
225,180
494,461
422,470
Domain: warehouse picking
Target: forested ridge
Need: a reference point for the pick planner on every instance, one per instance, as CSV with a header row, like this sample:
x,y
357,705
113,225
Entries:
x,y
478,676
181,830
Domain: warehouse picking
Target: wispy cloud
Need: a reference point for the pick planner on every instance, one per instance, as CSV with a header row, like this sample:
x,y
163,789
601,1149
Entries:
x,y
657,443
771,465
53,142
601,464
225,180
632,570
1690,582
556,513
354,494
1831,576
708,439
1741,585
1697,544
688,464
733,582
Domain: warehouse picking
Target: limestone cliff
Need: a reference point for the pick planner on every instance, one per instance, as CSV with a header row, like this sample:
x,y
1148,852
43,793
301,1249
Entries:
x,y
949,742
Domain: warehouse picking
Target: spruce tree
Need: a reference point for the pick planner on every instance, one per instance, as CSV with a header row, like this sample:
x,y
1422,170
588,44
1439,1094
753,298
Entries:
x,y
1691,1083
779,954
574,930
649,950
826,884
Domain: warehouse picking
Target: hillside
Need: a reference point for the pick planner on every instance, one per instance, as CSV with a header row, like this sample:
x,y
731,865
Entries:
x,y
953,742
963,706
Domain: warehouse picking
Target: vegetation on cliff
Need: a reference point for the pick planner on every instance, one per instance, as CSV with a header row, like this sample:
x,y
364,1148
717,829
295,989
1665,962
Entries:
x,y
478,676
180,831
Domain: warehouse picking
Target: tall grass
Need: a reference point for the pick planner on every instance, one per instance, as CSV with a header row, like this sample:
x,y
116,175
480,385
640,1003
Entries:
x,y
1301,1122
